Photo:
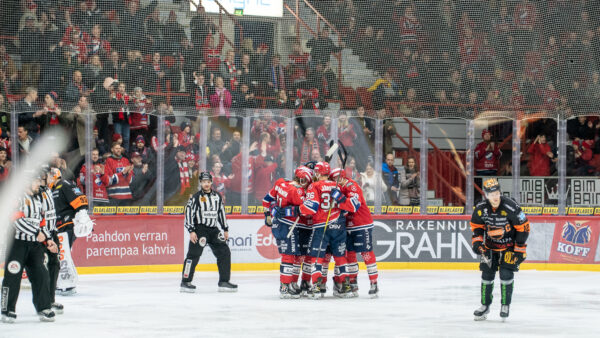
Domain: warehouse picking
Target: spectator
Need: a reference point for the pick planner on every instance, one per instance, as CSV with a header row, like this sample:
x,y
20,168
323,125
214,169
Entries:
x,y
351,169
390,178
173,32
76,88
99,178
216,145
487,155
315,156
121,101
540,157
80,116
132,24
113,67
346,134
246,72
140,118
29,40
28,110
369,180
52,114
264,177
200,27
275,75
221,182
322,47
308,144
9,86
145,152
119,171
409,176
5,164
583,155
234,148
25,141
259,59
580,128
169,138
7,64
229,72
201,92
389,131
244,98
383,89
281,103
220,101
96,44
135,71
92,73
324,131
76,46
5,111
211,53
185,137
409,28
142,177
157,75
59,162
298,63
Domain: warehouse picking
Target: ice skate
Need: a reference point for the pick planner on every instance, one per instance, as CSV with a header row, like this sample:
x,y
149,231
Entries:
x,y
481,313
227,287
304,288
66,292
58,308
286,291
354,287
46,315
9,317
374,290
315,291
504,311
342,290
187,287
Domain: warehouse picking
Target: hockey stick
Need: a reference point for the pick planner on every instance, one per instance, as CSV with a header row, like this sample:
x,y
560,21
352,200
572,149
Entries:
x,y
343,156
333,147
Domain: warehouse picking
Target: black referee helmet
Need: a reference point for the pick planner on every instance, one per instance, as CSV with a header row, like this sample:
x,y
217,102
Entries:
x,y
205,175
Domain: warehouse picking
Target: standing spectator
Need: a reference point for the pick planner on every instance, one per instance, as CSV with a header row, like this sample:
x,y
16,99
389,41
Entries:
x,y
157,75
540,157
145,152
275,75
173,32
28,110
246,72
96,44
119,170
76,88
525,21
346,133
5,165
25,141
229,72
233,149
409,28
487,155
369,180
52,115
297,65
76,46
220,101
140,120
79,115
308,144
216,144
132,24
264,177
200,27
409,175
185,137
200,93
92,74
5,111
322,47
390,177
100,180
244,98
29,43
113,68
121,102
142,177
212,54
281,103
383,89
154,31
7,64
583,155
351,170
221,182
9,86
389,131
324,131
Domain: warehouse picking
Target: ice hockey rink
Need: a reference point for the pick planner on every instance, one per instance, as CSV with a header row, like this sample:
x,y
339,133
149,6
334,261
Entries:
x,y
411,304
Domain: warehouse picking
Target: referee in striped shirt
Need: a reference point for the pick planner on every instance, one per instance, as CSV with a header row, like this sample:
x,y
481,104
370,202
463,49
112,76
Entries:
x,y
204,220
27,251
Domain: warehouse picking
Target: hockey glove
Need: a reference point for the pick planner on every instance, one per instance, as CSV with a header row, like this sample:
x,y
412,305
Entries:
x,y
268,219
83,225
337,195
520,253
289,211
478,247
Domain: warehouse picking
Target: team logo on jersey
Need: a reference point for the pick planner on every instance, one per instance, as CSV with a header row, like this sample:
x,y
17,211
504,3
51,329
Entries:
x,y
203,199
479,212
77,191
202,241
522,217
503,213
14,267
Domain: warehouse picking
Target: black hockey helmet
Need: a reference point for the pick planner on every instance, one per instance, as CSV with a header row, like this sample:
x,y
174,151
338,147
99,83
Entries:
x,y
490,185
205,175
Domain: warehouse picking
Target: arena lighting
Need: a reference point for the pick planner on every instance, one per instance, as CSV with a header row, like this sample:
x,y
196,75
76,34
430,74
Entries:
x,y
270,8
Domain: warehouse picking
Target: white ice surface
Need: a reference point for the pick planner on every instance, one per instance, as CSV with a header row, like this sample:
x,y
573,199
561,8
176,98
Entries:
x,y
411,304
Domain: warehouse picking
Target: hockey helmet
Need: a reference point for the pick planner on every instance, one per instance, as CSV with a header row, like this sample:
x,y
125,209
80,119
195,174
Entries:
x,y
337,172
303,174
322,168
54,175
205,175
490,185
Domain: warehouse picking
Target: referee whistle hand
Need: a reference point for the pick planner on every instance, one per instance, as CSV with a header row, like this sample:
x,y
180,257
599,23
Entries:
x,y
226,235
41,237
193,237
52,246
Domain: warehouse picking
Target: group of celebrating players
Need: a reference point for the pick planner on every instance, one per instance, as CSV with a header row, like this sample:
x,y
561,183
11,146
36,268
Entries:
x,y
319,214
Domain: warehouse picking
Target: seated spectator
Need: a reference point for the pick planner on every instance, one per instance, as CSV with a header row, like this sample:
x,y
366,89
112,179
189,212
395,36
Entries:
x,y
369,180
76,88
229,72
99,179
410,188
487,155
119,171
540,157
244,98
390,177
216,144
142,177
281,103
580,128
307,145
146,153
185,137
383,89
5,164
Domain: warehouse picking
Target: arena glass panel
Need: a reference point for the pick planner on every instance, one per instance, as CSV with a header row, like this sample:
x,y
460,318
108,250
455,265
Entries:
x,y
446,170
401,149
492,152
538,181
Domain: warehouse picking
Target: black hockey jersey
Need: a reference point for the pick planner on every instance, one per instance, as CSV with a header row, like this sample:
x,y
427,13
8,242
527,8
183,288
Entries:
x,y
68,200
500,229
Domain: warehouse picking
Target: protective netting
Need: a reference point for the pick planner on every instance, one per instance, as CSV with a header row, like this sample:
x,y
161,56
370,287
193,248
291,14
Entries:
x,y
412,89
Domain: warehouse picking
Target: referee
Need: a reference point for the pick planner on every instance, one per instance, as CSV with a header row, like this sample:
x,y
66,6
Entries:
x,y
204,214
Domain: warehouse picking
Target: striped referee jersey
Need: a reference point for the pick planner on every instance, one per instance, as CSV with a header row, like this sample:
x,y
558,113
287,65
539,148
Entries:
x,y
205,209
28,219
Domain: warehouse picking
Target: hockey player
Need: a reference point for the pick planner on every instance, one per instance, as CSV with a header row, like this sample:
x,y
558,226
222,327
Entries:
x,y
204,214
72,220
285,194
500,231
27,251
322,196
359,226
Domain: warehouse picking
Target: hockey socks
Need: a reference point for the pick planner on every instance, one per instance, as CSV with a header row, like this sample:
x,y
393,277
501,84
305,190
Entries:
x,y
507,290
352,265
307,268
371,263
297,264
486,292
286,269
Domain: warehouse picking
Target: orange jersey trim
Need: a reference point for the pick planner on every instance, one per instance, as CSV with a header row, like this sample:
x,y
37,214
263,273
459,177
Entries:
x,y
476,226
79,202
523,227
477,239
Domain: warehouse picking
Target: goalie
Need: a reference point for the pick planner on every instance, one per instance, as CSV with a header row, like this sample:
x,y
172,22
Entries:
x,y
72,221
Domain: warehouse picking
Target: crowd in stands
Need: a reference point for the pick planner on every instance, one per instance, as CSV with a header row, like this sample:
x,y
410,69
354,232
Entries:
x,y
114,62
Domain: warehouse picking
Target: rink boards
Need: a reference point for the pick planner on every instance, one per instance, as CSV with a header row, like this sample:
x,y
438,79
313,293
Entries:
x,y
159,243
